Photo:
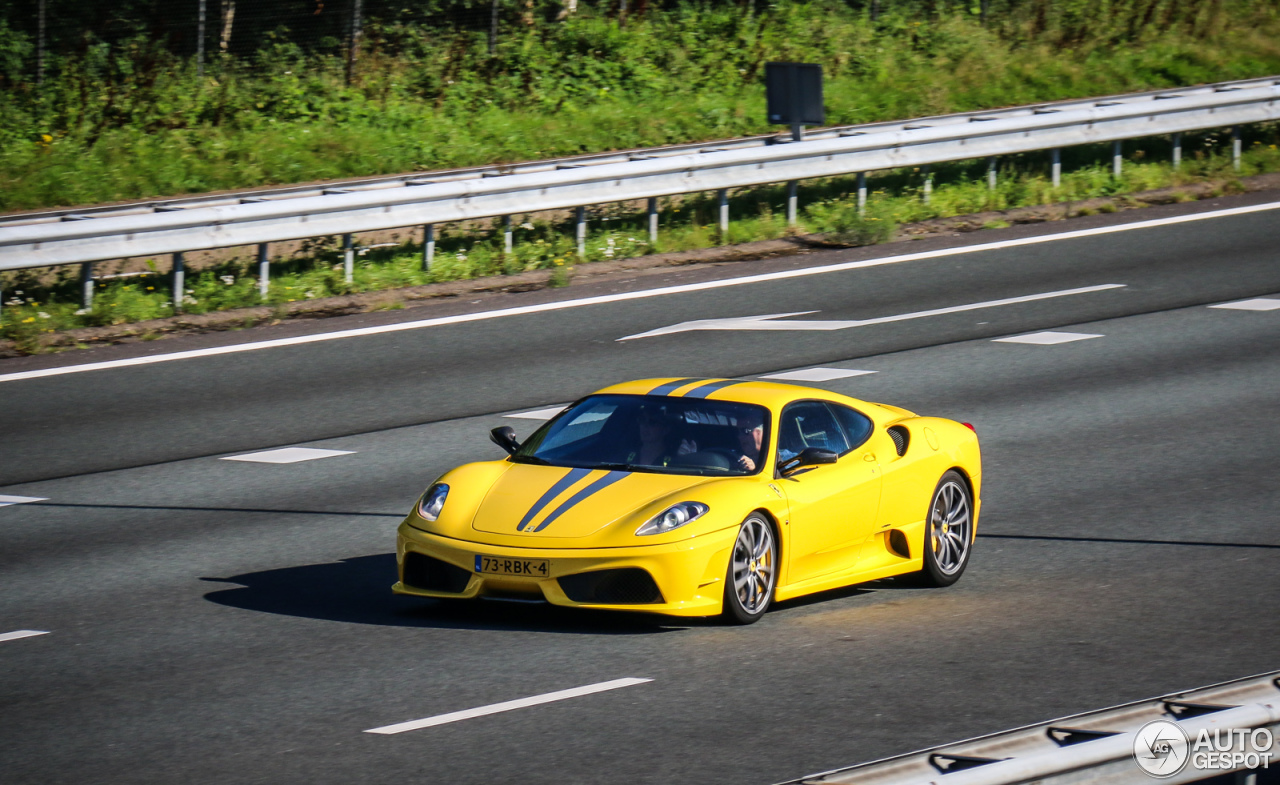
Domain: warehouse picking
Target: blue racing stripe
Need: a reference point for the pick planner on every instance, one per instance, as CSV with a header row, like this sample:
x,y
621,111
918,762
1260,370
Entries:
x,y
665,389
564,482
598,485
704,390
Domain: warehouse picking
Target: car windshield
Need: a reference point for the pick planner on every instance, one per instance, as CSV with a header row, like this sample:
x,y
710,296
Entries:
x,y
653,433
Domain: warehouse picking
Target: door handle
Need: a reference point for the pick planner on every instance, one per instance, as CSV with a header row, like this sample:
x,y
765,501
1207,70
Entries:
x,y
869,457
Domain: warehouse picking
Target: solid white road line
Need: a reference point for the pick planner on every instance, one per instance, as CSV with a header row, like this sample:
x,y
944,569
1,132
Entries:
x,y
537,414
495,708
817,374
16,634
1259,304
612,298
767,321
287,455
5,501
1048,338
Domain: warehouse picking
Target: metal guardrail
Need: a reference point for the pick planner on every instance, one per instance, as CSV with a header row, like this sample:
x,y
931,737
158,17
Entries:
x,y
1095,747
264,216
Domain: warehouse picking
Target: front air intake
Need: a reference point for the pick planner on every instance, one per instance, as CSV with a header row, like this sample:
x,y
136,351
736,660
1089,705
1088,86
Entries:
x,y
428,574
901,439
627,586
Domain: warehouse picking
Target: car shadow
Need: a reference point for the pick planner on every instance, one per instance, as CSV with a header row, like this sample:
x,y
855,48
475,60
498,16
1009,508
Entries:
x,y
841,593
358,591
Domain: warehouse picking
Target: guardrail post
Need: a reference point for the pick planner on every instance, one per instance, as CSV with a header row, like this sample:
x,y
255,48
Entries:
x,y
86,285
722,197
991,173
653,219
508,236
1055,156
927,194
428,246
1117,158
348,259
264,269
862,193
793,201
580,231
1177,151
179,282
1235,148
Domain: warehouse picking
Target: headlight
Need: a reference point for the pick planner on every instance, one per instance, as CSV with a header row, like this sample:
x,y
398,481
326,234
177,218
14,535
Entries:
x,y
433,502
673,517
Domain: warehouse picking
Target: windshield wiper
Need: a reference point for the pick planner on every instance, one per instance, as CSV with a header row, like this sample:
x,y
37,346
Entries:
x,y
530,459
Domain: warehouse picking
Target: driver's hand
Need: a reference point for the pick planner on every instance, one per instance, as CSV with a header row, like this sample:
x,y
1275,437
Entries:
x,y
687,447
747,463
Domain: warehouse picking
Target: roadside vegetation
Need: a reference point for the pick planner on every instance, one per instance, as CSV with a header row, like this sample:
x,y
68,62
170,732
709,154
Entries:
x,y
133,121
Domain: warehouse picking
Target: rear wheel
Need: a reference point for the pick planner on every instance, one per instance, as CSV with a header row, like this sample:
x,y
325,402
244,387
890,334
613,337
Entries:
x,y
753,572
948,534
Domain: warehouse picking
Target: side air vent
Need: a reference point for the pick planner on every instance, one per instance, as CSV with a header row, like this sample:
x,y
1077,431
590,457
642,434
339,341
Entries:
x,y
901,439
628,586
898,544
424,572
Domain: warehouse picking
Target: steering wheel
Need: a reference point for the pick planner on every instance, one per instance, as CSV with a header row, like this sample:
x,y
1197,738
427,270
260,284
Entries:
x,y
713,458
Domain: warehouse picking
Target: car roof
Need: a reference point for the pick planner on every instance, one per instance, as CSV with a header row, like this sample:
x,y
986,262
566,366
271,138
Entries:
x,y
773,395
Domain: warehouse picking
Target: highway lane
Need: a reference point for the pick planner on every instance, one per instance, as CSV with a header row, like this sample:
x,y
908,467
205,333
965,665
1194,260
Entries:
x,y
214,621
111,419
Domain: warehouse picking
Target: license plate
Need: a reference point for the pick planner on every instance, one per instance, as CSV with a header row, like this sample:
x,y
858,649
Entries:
x,y
530,568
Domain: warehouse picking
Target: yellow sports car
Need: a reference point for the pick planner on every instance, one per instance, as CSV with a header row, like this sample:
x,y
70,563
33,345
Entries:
x,y
697,497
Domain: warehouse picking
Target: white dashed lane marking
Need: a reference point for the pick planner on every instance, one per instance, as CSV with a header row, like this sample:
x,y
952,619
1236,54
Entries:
x,y
5,501
1047,338
1259,304
496,708
287,455
16,634
538,414
817,374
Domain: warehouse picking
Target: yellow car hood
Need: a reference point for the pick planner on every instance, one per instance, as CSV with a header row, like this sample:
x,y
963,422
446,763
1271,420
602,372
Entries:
x,y
564,503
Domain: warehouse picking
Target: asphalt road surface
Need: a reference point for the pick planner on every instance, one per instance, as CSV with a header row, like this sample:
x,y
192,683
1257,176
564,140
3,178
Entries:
x,y
223,621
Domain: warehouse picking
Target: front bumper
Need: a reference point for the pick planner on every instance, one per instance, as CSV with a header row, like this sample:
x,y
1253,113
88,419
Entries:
x,y
689,574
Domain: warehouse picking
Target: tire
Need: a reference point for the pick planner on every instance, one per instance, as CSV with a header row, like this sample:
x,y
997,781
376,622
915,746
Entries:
x,y
752,574
948,531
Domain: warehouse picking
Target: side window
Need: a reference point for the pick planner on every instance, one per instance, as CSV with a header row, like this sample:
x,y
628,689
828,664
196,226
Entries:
x,y
857,426
808,424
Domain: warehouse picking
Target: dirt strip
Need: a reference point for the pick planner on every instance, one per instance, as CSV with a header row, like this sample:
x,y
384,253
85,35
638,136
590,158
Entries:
x,y
391,299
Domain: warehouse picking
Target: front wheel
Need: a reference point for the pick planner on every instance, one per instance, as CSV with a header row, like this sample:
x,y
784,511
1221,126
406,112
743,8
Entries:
x,y
948,534
753,572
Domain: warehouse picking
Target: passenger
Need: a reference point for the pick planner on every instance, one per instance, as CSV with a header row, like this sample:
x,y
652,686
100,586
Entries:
x,y
750,440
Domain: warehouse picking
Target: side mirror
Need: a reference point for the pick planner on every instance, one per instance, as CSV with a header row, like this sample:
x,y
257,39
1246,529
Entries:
x,y
810,456
505,437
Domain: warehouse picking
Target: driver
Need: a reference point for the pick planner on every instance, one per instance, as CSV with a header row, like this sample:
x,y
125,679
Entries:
x,y
655,447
